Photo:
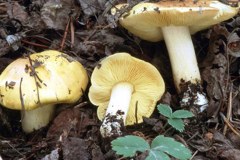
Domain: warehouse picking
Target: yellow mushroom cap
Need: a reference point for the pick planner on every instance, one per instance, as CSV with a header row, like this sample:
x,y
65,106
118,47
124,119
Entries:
x,y
148,85
145,19
58,78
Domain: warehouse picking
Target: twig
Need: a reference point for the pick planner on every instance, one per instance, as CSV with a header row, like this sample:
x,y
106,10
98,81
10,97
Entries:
x,y
35,44
95,31
40,38
72,32
194,154
193,136
228,68
229,124
136,112
231,119
81,104
229,109
91,34
21,99
36,77
65,34
14,148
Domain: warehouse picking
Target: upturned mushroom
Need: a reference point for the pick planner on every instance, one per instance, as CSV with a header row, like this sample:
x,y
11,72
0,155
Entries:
x,y
175,21
125,89
34,84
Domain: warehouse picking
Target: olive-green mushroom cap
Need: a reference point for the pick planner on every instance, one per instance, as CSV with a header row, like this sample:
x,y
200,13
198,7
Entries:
x,y
49,77
148,85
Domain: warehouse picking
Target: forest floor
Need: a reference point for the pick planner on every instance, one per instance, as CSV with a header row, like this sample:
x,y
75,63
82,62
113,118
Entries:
x,y
86,30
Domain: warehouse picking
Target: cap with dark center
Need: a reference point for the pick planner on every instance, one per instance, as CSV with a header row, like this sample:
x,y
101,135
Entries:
x,y
35,83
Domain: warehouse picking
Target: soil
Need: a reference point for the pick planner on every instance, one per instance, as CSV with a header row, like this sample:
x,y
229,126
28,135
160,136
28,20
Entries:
x,y
85,30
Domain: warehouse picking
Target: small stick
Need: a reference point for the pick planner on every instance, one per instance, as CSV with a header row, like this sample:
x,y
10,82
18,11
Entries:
x,y
81,104
229,109
229,124
13,148
35,77
21,99
35,44
194,154
136,111
72,32
65,35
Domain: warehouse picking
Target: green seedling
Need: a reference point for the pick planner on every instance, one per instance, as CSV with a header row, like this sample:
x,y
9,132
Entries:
x,y
174,118
160,148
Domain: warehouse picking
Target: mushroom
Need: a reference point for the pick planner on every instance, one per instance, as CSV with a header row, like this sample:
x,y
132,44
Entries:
x,y
34,84
175,21
125,89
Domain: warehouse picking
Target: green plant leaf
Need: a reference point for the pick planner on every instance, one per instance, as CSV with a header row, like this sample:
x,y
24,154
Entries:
x,y
128,145
165,110
171,147
182,114
157,155
176,123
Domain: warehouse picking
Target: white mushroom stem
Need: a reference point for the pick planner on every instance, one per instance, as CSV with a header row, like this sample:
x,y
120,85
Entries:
x,y
37,118
117,110
182,54
183,59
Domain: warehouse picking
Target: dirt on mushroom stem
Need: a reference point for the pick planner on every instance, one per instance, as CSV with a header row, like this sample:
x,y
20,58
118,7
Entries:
x,y
116,123
193,97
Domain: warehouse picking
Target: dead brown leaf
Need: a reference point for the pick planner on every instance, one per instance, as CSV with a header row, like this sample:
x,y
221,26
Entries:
x,y
75,148
72,121
55,13
16,11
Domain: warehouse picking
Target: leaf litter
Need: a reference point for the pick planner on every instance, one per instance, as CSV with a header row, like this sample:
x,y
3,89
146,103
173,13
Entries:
x,y
74,132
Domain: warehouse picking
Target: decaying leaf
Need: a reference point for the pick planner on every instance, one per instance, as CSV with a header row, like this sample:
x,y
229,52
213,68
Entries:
x,y
16,11
54,155
218,66
72,121
89,7
55,13
75,148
